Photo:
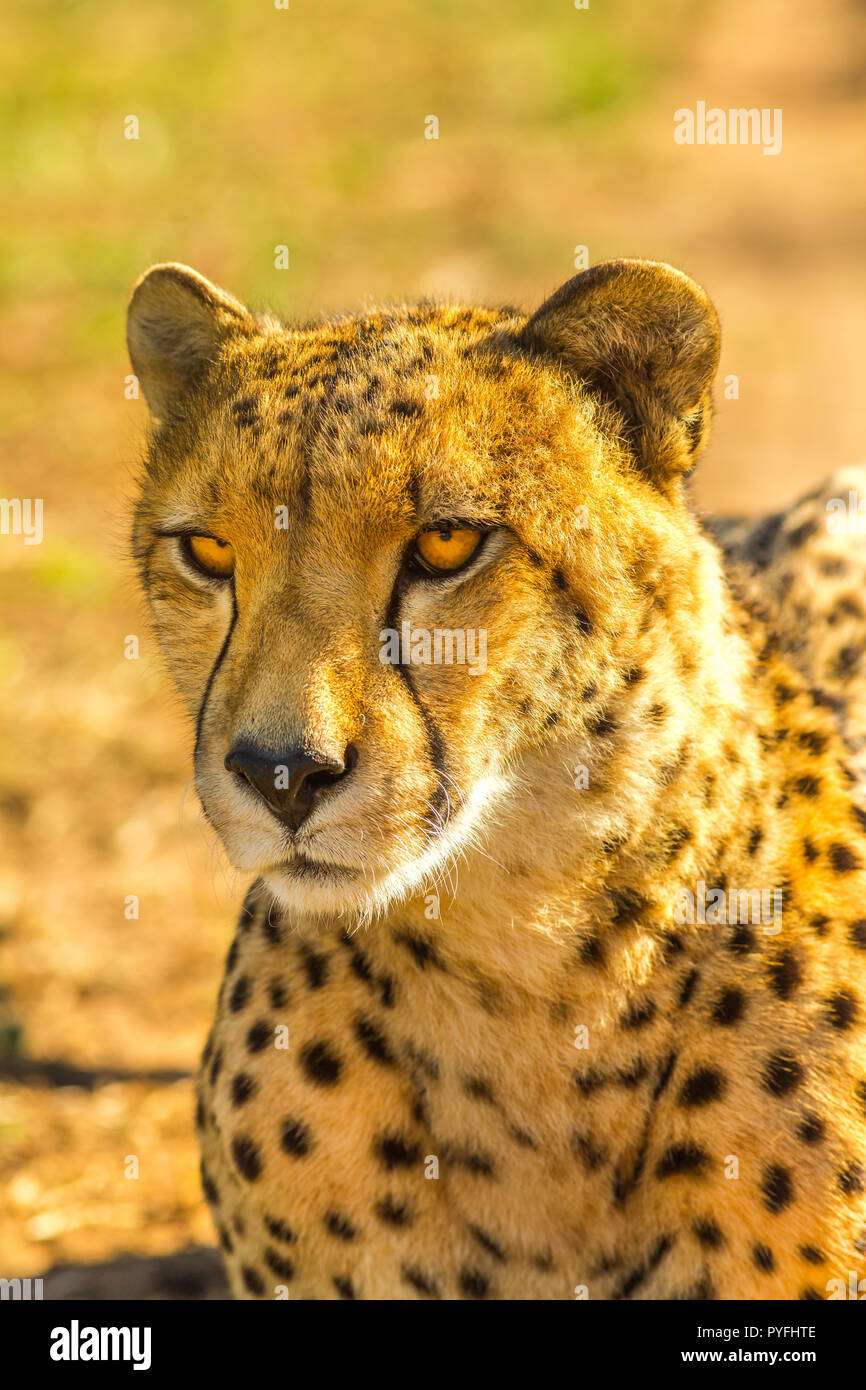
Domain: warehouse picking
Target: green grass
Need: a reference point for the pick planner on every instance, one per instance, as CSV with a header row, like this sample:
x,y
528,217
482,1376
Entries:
x,y
261,126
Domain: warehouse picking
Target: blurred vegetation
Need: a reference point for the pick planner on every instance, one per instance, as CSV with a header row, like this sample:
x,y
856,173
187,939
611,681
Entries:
x,y
305,127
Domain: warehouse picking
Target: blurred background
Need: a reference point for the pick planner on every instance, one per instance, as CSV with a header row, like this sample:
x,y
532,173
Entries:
x,y
304,127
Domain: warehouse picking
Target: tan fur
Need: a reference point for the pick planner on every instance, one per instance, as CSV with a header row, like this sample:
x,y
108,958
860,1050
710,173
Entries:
x,y
483,906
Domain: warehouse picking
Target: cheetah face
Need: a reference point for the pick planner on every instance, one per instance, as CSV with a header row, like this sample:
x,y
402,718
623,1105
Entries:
x,y
388,559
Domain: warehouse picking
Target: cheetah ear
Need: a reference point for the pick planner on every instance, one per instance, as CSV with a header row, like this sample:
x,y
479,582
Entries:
x,y
646,338
175,325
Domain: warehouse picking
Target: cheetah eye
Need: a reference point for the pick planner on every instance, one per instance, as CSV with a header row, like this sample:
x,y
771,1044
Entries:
x,y
209,556
447,547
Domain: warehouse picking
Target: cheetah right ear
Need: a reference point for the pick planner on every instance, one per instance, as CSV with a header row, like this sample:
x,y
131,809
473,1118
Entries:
x,y
175,325
645,338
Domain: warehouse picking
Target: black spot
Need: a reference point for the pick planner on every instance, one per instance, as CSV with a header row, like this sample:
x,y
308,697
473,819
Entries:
x,y
811,1129
819,925
271,929
858,934
279,1230
777,1188
315,966
847,660
763,1257
240,995
278,994
585,1148
810,853
665,1073
742,941
687,988
487,1243
680,1159
522,1137
339,1226
417,1279
810,1254
344,1286
247,1157
728,1008
589,1080
842,1009
423,952
810,787
280,1265
702,1086
626,1287
395,1151
633,1075
216,1067
638,1014
674,841
591,951
232,957
810,1295
225,1240
392,1212
859,816
374,1042
782,1073
588,693
259,1035
708,1233
243,1086
296,1138
253,1281
851,1179
673,947
583,620
320,1064
843,859
802,533
209,1188
601,725
756,835
473,1284
785,974
478,1089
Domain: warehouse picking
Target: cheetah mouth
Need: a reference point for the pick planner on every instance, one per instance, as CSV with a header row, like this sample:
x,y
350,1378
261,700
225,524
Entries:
x,y
314,870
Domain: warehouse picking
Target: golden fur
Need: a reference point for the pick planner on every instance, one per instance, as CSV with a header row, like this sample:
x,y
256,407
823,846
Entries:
x,y
465,1046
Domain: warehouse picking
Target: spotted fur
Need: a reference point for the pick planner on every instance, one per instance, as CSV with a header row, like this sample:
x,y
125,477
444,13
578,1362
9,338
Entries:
x,y
465,1047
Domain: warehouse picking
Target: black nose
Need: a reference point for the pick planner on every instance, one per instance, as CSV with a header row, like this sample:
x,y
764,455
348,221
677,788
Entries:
x,y
291,782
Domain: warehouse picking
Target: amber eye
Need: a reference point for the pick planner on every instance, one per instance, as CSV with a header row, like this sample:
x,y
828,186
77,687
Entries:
x,y
447,548
214,558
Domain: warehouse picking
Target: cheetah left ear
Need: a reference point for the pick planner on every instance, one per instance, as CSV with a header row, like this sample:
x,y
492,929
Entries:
x,y
175,326
646,338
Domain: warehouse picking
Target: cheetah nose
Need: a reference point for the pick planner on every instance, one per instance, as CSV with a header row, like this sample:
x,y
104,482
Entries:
x,y
290,783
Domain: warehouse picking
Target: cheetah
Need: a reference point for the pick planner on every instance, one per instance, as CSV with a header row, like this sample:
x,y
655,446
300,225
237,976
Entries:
x,y
549,984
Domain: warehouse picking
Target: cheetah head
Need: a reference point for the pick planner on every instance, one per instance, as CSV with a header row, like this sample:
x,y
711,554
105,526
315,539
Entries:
x,y
319,502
